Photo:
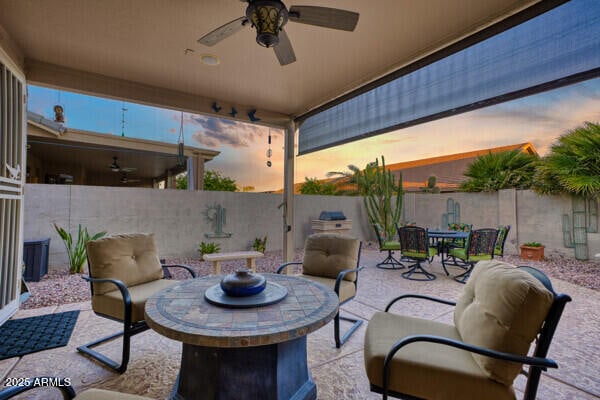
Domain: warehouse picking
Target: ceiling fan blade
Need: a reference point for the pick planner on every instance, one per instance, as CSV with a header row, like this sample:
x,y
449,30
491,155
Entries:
x,y
284,50
128,169
214,37
333,18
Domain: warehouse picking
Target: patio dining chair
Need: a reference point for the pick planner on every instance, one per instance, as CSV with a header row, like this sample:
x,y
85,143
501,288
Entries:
x,y
480,246
333,260
501,311
390,262
124,271
414,243
501,240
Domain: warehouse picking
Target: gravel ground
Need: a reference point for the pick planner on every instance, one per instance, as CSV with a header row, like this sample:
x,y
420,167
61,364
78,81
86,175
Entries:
x,y
60,287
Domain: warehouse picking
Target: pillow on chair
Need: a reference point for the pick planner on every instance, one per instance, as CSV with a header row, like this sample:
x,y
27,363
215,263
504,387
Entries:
x,y
131,257
502,308
327,254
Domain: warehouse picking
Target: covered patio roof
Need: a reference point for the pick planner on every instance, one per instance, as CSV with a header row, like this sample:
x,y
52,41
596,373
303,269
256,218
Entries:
x,y
147,51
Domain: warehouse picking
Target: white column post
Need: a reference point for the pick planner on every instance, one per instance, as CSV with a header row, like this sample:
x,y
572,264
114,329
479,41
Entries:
x,y
288,192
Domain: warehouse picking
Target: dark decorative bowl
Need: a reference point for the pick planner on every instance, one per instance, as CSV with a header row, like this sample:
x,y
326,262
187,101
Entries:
x,y
243,283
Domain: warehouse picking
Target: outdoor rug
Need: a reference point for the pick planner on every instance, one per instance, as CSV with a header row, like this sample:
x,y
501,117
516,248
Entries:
x,y
28,335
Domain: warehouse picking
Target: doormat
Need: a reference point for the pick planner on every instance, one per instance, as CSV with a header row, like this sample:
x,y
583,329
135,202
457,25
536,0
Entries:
x,y
28,335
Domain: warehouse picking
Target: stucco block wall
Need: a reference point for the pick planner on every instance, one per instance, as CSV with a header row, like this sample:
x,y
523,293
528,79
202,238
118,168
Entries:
x,y
175,216
178,221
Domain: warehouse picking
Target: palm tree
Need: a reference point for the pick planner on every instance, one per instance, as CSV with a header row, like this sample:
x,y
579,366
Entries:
x,y
573,164
503,170
358,180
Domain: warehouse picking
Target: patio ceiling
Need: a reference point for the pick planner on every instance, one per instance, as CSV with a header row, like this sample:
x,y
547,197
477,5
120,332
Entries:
x,y
135,50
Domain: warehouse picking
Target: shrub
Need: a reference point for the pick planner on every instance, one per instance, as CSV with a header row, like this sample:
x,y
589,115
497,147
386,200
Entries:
x,y
260,244
208,248
76,252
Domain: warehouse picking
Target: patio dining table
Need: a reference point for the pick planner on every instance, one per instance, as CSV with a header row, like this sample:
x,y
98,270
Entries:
x,y
441,240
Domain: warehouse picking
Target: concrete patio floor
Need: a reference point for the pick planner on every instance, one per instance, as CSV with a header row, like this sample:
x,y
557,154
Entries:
x,y
338,373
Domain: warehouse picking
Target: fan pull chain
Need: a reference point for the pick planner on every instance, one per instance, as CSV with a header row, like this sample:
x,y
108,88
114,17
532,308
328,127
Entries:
x,y
269,151
180,144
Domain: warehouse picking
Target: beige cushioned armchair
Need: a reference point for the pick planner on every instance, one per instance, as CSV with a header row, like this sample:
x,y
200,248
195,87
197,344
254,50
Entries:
x,y
333,260
124,271
501,311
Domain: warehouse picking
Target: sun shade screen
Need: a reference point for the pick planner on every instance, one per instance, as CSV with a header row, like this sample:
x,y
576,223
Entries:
x,y
559,43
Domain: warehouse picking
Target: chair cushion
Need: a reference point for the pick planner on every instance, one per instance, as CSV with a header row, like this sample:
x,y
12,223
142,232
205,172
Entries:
x,y
132,258
419,255
390,245
347,289
426,370
327,254
111,303
99,394
501,308
459,252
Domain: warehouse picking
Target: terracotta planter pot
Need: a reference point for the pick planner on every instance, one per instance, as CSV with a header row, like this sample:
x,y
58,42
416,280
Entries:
x,y
532,253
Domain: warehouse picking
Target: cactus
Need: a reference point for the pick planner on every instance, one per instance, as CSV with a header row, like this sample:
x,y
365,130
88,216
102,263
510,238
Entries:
x,y
380,190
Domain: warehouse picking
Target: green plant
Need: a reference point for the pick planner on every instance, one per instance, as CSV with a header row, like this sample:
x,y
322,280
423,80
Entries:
x,y
573,164
260,244
208,248
503,170
533,244
459,226
76,251
383,197
314,186
213,180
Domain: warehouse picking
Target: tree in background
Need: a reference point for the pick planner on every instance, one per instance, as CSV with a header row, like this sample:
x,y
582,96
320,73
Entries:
x,y
355,182
511,169
213,180
573,164
181,182
314,186
349,179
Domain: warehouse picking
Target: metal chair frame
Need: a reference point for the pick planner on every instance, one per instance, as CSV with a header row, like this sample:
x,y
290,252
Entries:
x,y
339,338
129,328
390,261
423,243
502,241
537,363
474,247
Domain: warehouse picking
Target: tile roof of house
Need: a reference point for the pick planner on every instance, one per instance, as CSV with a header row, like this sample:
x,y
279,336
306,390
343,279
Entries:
x,y
448,169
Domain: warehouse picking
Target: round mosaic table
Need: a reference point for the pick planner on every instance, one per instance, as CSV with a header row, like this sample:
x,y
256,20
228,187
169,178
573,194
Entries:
x,y
249,353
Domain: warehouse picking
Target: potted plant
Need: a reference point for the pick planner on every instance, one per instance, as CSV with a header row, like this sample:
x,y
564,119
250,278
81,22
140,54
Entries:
x,y
532,251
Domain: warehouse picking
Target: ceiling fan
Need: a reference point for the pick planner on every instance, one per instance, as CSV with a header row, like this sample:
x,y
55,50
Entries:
x,y
269,18
115,167
125,179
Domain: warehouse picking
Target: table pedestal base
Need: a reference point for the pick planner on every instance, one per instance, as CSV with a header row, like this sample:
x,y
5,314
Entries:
x,y
272,372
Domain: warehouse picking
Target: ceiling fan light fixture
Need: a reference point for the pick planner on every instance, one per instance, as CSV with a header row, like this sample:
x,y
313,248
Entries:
x,y
268,17
114,166
210,60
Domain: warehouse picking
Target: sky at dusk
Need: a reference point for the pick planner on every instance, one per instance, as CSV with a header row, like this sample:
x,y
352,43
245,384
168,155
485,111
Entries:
x,y
539,119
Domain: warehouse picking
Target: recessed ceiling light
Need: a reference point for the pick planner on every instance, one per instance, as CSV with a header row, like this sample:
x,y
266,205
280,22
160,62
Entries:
x,y
209,59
